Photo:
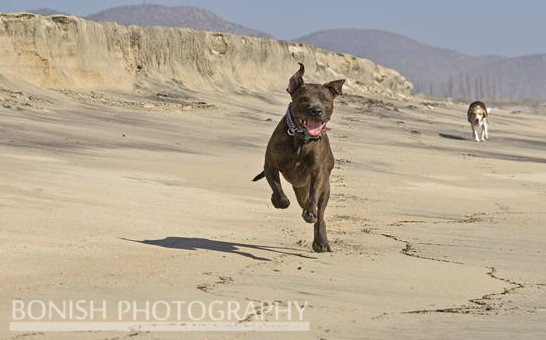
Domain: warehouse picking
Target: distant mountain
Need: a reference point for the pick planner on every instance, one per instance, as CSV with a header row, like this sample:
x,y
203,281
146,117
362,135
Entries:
x,y
46,11
520,78
179,16
441,72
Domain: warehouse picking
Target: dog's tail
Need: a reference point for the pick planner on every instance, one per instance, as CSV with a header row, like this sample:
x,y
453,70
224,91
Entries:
x,y
259,176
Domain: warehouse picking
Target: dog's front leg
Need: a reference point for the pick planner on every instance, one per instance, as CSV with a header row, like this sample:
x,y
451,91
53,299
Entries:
x,y
486,133
278,198
475,132
309,213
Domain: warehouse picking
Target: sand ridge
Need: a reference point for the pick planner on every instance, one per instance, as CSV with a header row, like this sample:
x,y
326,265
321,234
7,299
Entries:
x,y
64,52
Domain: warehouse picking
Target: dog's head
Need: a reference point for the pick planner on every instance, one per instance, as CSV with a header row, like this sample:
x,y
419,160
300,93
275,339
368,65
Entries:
x,y
312,104
476,114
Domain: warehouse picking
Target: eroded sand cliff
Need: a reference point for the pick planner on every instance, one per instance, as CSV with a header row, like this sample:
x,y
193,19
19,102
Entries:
x,y
63,52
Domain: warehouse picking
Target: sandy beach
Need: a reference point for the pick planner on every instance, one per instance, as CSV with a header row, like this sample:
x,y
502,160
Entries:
x,y
433,235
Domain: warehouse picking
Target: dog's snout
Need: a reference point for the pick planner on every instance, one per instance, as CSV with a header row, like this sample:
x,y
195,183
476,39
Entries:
x,y
315,111
477,120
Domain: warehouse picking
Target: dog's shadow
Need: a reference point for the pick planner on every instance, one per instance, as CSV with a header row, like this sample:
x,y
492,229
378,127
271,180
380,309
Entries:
x,y
449,136
196,243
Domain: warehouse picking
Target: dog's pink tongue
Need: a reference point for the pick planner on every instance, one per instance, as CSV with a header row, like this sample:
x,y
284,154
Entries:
x,y
314,127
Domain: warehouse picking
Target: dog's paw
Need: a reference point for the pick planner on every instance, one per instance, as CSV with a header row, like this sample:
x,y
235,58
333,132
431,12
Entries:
x,y
309,216
477,140
280,202
321,246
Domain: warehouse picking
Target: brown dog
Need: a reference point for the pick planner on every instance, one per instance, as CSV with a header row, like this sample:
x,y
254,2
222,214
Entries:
x,y
300,150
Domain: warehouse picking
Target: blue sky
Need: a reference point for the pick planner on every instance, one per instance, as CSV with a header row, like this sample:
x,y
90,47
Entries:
x,y
478,27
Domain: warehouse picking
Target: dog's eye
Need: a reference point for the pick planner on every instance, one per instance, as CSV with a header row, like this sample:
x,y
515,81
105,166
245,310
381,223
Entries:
x,y
303,100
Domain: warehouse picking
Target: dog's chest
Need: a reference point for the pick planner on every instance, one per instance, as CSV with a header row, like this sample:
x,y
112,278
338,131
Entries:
x,y
296,171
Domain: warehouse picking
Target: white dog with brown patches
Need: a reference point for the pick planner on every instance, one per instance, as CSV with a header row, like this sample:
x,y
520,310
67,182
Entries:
x,y
477,117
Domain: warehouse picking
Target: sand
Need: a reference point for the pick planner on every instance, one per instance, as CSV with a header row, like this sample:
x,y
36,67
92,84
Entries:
x,y
110,195
433,234
64,52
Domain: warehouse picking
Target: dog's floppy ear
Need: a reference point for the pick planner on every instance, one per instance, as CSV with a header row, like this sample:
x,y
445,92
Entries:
x,y
296,80
335,86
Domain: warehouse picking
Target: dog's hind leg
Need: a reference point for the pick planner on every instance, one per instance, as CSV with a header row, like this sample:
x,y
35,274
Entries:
x,y
320,241
310,214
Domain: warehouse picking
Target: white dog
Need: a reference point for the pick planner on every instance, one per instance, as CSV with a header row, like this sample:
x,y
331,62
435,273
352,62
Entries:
x,y
477,117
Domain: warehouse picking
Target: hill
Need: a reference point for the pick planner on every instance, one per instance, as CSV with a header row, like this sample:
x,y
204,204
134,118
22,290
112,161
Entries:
x,y
179,16
441,72
46,11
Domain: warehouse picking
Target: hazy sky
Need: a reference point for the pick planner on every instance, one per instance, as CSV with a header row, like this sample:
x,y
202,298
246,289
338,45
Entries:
x,y
475,27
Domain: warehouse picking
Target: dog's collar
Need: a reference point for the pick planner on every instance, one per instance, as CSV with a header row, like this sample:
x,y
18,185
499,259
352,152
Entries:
x,y
300,134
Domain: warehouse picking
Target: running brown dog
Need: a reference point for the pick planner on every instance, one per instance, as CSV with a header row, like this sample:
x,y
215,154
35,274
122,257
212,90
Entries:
x,y
300,150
